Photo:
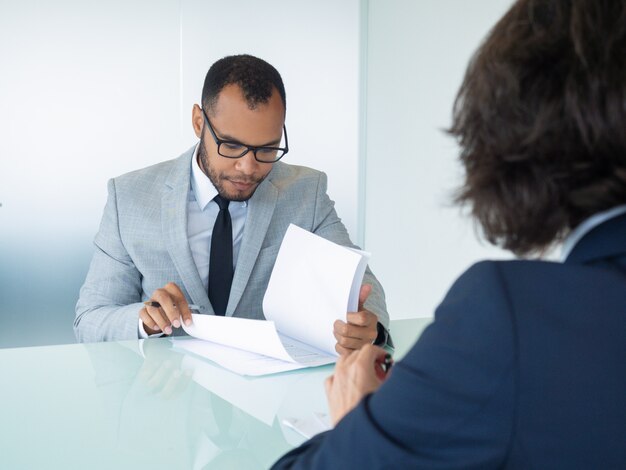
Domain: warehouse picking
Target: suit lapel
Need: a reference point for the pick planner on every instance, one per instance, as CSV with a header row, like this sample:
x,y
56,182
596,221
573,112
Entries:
x,y
174,226
260,210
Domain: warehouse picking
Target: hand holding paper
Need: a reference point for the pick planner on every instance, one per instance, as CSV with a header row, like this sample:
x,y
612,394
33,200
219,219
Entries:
x,y
359,329
313,284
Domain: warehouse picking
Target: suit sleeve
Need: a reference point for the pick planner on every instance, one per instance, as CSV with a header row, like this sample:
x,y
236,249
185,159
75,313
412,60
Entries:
x,y
448,404
327,224
110,299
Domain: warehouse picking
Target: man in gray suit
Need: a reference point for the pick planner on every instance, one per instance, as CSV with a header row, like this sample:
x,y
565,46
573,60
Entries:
x,y
205,228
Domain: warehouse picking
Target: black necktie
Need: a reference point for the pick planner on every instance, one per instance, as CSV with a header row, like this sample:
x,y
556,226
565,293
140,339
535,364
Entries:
x,y
221,261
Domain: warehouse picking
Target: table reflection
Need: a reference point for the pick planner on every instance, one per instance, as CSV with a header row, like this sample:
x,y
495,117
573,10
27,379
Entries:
x,y
167,404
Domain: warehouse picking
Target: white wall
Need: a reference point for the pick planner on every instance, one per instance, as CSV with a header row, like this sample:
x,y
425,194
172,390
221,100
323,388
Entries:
x,y
315,47
417,52
90,90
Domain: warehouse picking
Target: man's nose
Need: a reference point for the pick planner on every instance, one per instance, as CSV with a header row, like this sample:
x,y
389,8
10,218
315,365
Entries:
x,y
247,164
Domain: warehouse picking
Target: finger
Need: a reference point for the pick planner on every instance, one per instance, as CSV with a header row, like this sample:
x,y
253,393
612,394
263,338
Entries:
x,y
345,330
364,294
370,354
349,330
149,324
181,302
158,316
167,297
361,318
170,297
350,343
185,312
340,328
362,333
345,361
343,351
368,366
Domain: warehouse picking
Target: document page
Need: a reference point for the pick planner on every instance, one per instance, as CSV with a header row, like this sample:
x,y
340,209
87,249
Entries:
x,y
304,353
248,347
256,336
314,282
237,360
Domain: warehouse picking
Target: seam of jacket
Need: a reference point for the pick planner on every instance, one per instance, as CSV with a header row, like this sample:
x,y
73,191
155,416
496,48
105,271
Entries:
x,y
516,365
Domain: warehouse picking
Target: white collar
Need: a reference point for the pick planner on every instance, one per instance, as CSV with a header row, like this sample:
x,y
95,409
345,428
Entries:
x,y
589,224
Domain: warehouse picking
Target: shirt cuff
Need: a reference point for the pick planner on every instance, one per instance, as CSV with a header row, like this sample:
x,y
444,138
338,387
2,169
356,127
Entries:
x,y
143,334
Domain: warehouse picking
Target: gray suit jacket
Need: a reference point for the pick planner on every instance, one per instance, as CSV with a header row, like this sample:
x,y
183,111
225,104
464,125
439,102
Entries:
x,y
142,245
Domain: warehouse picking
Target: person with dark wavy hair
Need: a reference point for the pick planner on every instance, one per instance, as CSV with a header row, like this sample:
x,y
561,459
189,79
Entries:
x,y
525,363
541,119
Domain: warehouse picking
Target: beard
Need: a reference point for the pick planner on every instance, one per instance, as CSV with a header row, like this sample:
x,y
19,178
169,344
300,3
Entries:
x,y
219,178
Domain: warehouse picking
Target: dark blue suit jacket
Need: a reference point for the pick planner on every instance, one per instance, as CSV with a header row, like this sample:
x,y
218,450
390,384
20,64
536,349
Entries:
x,y
524,367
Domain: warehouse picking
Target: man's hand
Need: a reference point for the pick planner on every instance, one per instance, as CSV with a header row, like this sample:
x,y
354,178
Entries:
x,y
168,315
356,375
360,328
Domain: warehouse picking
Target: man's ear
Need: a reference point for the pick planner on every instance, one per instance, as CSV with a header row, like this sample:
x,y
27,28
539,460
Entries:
x,y
197,120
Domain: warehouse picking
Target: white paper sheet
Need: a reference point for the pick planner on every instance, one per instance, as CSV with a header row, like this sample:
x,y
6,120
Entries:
x,y
246,362
314,282
255,336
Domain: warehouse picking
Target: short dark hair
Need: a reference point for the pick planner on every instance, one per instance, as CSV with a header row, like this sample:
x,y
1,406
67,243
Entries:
x,y
256,78
541,121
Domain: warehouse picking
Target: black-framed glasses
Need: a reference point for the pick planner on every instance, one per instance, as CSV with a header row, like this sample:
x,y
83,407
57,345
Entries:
x,y
234,149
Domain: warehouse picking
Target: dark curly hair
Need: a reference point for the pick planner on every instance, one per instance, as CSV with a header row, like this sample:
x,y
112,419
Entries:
x,y
254,76
541,121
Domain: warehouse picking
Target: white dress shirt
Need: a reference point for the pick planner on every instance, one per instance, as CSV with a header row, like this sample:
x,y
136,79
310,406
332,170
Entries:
x,y
201,216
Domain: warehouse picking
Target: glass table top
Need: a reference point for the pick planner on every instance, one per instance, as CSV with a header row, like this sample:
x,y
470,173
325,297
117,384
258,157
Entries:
x,y
140,404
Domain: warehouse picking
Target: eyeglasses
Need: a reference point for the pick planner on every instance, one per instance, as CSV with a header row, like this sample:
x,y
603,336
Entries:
x,y
234,149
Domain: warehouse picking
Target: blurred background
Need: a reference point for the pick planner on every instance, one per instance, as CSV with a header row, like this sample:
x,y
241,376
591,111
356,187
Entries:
x,y
90,90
